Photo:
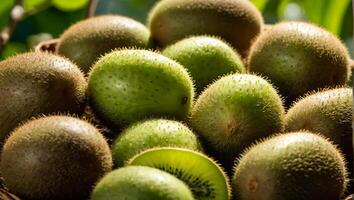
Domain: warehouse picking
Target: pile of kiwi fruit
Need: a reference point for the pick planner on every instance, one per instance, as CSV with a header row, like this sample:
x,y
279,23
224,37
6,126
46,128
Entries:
x,y
205,102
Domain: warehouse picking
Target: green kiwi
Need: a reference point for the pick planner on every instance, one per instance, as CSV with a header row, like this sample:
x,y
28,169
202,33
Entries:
x,y
129,85
299,57
56,157
328,113
85,41
140,182
152,133
206,59
32,84
233,112
236,21
291,166
204,177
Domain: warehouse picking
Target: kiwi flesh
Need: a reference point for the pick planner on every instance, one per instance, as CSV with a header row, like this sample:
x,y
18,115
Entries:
x,y
291,166
206,59
299,57
329,113
151,133
55,157
129,85
236,21
140,182
203,176
33,84
244,108
85,41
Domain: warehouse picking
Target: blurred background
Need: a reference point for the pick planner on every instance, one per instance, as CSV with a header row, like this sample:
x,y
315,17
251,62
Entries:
x,y
46,19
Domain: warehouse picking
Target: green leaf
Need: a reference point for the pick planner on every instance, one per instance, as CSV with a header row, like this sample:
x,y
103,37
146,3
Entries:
x,y
5,8
327,13
32,5
260,4
13,48
69,5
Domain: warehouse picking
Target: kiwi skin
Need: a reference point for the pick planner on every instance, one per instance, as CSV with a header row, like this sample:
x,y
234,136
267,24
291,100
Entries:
x,y
293,166
206,59
87,40
244,108
32,84
147,134
56,157
129,85
140,182
236,21
299,57
329,113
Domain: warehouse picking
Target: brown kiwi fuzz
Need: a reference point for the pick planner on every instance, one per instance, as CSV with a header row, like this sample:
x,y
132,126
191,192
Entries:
x,y
32,84
236,21
87,40
329,113
298,58
56,158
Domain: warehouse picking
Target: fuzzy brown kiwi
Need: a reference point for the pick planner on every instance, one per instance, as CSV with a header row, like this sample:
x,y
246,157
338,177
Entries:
x,y
292,166
237,21
38,83
327,112
299,57
87,40
55,157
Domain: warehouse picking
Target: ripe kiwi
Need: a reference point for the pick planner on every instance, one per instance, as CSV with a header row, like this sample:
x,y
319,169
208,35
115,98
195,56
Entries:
x,y
299,57
235,111
328,113
56,157
87,40
140,182
292,166
203,176
206,59
146,134
129,85
38,83
237,21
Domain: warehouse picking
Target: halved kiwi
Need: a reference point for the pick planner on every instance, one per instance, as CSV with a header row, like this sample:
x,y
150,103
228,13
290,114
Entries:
x,y
204,177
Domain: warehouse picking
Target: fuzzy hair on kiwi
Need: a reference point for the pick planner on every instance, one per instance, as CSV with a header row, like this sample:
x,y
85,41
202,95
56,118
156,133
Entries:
x,y
295,178
88,39
119,124
226,151
288,53
237,21
38,83
56,157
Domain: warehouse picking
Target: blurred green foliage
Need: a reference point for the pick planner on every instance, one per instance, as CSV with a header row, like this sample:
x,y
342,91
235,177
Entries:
x,y
47,19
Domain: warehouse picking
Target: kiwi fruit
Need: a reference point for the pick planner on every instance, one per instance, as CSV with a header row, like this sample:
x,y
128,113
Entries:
x,y
150,133
32,84
203,176
140,182
55,157
329,113
206,59
299,57
291,166
129,85
233,112
236,21
85,41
